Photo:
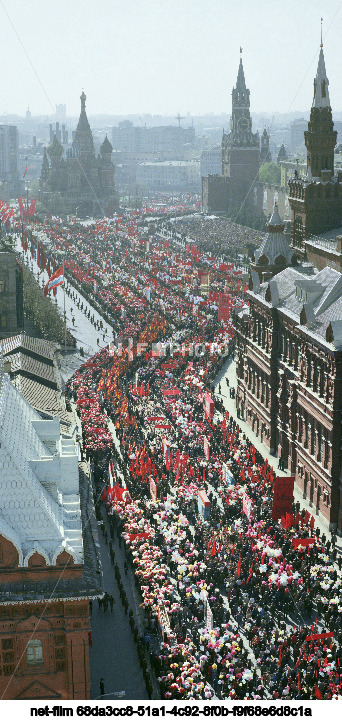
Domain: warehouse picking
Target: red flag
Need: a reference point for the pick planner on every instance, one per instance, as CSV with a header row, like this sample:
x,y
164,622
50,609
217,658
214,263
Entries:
x,y
238,567
250,573
213,550
317,692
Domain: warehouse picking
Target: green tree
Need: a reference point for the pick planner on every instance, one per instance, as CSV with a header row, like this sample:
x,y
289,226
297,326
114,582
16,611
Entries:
x,y
270,173
42,311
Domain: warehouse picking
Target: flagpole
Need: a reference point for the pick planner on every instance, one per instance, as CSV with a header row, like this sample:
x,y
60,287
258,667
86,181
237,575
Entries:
x,y
65,327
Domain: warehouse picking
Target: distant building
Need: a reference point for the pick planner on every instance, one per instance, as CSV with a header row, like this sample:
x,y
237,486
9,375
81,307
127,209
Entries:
x,y
164,140
211,162
81,182
297,130
9,156
61,133
169,175
61,111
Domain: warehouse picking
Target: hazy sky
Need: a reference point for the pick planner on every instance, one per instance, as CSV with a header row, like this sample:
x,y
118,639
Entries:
x,y
165,56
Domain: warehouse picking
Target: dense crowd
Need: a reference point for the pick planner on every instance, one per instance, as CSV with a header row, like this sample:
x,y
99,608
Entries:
x,y
220,235
248,607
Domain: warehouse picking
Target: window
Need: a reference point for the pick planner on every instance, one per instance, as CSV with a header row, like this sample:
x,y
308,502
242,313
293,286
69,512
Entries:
x,y
34,652
2,286
3,321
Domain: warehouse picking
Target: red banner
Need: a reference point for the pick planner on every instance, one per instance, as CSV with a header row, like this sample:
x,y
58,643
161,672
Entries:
x,y
320,636
208,405
304,542
282,496
133,536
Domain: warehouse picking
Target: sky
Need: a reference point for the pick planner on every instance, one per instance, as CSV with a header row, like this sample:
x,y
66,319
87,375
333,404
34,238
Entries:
x,y
165,56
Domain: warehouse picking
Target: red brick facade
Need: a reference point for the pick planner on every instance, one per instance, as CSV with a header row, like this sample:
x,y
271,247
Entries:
x,y
289,389
44,643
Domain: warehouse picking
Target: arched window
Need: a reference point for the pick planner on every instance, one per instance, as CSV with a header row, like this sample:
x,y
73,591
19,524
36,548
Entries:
x,y
34,650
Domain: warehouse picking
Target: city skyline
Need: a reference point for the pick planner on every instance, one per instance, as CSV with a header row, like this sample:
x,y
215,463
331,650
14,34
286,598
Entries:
x,y
164,59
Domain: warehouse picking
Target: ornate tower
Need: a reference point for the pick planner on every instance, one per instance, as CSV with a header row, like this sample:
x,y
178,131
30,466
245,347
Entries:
x,y
316,201
274,254
240,149
320,137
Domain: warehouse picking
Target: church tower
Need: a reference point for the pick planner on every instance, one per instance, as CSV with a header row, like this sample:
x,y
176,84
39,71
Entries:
x,y
316,200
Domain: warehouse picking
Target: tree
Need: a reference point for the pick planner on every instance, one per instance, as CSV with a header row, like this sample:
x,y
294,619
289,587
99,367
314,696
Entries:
x,y
270,173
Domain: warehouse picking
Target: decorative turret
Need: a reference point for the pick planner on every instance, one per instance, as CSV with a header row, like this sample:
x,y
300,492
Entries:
x,y
265,154
55,150
106,150
274,254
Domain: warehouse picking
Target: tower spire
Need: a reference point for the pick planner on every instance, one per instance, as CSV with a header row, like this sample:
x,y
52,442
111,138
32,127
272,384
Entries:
x,y
321,84
321,32
241,83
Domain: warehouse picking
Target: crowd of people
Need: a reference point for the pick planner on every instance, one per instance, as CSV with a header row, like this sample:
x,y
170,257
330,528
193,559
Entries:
x,y
221,235
247,607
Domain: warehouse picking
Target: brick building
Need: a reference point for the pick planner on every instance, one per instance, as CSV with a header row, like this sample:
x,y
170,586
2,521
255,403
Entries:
x,y
289,377
49,565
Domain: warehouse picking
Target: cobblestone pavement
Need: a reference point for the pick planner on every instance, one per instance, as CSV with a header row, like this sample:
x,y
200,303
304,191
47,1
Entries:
x,y
113,655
